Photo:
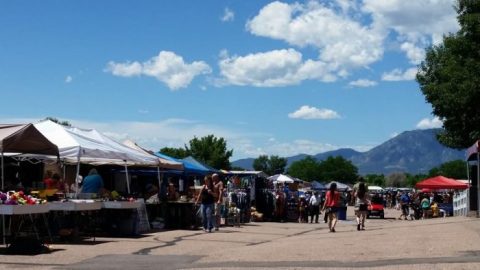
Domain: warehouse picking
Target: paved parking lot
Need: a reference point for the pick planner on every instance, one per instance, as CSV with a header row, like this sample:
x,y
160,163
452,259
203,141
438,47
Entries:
x,y
450,243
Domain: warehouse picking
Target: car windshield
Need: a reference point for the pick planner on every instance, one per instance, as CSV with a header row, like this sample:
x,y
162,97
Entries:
x,y
377,200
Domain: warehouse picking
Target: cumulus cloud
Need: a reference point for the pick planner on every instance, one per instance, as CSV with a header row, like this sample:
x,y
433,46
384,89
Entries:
x,y
166,67
415,54
417,23
427,123
273,68
176,132
228,15
362,83
340,40
68,79
399,75
307,112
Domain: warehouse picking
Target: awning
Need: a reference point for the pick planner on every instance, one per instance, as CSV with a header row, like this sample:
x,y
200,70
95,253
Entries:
x,y
25,139
281,178
441,182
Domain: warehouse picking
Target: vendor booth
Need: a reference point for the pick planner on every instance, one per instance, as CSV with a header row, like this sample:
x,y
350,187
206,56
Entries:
x,y
16,140
434,184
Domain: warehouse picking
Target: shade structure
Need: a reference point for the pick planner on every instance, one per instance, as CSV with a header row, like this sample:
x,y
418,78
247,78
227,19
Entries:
x,y
25,139
189,167
340,186
163,162
77,145
315,185
281,178
375,188
441,182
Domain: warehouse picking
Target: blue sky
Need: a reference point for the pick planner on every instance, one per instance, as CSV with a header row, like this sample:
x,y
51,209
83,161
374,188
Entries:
x,y
271,77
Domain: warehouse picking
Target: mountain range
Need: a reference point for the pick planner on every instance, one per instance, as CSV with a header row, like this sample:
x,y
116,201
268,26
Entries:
x,y
414,152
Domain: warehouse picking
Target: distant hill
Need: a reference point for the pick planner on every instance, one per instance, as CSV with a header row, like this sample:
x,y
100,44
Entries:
x,y
413,152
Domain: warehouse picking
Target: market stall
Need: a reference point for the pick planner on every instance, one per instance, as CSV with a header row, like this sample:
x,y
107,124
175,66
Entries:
x,y
437,183
22,139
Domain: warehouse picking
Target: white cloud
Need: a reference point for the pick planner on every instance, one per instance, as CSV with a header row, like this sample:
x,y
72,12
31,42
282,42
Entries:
x,y
419,23
341,41
427,123
415,54
273,68
307,112
166,67
399,75
228,15
176,132
363,83
143,111
68,79
394,134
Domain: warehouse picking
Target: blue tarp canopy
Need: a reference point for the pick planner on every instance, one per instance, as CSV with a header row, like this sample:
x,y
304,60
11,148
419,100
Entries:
x,y
190,165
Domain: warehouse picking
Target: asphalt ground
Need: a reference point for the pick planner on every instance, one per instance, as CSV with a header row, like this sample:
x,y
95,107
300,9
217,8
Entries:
x,y
440,243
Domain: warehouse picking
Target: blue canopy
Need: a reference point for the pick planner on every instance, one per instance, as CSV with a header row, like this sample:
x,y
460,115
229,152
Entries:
x,y
190,165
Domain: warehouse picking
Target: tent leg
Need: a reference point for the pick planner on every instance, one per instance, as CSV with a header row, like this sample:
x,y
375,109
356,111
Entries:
x,y
3,217
469,185
78,172
478,186
126,177
159,178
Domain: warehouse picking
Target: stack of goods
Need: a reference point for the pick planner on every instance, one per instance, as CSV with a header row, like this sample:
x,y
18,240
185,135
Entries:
x,y
19,198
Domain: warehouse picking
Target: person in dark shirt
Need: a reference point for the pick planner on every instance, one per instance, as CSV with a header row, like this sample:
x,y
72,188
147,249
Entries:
x,y
206,196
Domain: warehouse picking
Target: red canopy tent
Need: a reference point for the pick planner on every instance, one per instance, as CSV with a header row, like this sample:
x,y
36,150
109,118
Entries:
x,y
441,182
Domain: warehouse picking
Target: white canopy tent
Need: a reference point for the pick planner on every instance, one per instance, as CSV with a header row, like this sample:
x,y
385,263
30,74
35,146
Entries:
x,y
88,146
281,178
375,188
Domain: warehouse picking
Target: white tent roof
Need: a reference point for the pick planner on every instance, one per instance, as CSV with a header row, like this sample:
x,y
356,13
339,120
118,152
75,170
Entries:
x,y
281,178
91,146
375,188
164,163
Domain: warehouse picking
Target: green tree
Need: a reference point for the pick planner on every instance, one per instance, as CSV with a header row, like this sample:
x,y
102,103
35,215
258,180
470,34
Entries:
x,y
455,169
60,122
375,179
449,77
211,151
175,152
306,169
270,165
413,179
338,169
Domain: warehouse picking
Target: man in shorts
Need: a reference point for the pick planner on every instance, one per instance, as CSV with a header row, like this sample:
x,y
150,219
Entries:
x,y
218,195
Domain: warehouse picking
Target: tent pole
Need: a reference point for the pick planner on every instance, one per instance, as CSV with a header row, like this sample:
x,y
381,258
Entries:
x,y
3,173
78,171
159,178
478,186
3,217
126,177
469,184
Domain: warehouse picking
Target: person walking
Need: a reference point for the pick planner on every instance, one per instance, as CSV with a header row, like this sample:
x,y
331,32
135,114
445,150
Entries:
x,y
208,200
331,202
314,203
361,205
405,204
